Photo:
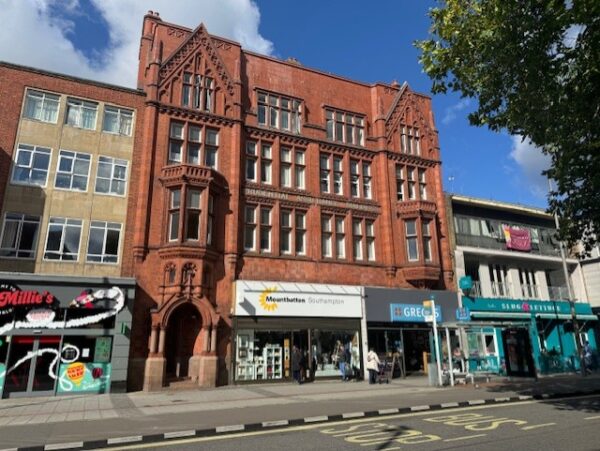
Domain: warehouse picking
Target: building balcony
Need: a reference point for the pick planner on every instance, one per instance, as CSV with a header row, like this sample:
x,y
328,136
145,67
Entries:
x,y
528,292
488,242
186,173
415,208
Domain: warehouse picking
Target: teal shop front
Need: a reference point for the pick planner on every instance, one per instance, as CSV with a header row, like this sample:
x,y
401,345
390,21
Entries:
x,y
524,338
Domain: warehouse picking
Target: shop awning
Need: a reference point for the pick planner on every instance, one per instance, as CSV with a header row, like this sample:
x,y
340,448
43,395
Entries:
x,y
566,316
547,315
512,315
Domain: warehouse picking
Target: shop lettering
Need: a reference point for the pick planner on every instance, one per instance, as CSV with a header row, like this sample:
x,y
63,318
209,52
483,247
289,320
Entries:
x,y
20,298
286,299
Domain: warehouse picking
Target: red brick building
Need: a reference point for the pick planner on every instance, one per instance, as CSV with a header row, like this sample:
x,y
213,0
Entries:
x,y
258,169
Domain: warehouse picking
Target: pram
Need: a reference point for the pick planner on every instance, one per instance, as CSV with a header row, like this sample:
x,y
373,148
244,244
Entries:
x,y
386,371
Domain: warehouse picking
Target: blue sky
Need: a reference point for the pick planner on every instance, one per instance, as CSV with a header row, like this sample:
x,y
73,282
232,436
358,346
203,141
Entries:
x,y
99,39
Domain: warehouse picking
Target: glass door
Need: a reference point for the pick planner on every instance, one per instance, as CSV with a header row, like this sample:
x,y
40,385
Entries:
x,y
28,366
42,382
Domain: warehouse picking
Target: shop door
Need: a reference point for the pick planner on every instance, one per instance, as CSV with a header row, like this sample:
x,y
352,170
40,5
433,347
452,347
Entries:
x,y
300,339
518,356
416,349
29,364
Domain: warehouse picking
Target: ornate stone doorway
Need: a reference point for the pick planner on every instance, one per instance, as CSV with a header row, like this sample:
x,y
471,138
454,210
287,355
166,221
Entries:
x,y
183,328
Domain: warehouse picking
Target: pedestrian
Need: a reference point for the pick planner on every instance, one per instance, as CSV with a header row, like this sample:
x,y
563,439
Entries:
x,y
296,364
340,353
587,357
372,365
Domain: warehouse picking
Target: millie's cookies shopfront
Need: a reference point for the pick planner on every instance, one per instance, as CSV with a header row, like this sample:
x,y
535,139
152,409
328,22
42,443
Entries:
x,y
61,335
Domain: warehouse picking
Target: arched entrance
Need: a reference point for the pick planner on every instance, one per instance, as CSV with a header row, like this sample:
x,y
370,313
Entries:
x,y
183,328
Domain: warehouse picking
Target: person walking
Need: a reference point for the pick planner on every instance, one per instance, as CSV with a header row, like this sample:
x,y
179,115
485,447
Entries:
x,y
587,358
296,364
341,358
372,365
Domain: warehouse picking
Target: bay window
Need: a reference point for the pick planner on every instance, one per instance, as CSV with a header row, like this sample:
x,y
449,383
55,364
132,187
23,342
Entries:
x,y
193,144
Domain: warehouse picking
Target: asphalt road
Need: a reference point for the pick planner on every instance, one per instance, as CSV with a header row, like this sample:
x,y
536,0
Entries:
x,y
567,424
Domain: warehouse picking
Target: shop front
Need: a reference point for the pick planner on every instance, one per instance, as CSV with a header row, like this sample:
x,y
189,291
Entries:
x,y
322,321
523,338
63,335
397,326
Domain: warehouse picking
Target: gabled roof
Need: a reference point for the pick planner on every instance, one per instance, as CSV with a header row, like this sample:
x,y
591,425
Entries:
x,y
199,39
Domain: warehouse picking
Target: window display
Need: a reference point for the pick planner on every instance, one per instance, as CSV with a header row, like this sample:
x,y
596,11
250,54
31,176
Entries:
x,y
260,355
266,355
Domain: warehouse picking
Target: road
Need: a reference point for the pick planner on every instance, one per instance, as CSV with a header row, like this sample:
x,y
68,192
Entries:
x,y
564,424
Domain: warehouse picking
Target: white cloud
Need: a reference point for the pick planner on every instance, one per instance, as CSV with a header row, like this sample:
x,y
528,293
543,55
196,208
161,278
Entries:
x,y
40,40
451,112
531,162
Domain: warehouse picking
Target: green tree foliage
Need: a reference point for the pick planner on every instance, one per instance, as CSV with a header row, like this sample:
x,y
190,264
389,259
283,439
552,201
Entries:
x,y
534,67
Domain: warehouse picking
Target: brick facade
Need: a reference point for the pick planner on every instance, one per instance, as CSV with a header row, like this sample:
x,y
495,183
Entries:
x,y
174,272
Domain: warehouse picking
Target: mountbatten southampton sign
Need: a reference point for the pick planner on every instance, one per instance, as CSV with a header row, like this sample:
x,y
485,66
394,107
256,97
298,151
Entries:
x,y
297,299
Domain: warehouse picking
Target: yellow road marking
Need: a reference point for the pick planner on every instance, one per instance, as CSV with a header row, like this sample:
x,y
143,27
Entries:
x,y
466,437
317,426
535,426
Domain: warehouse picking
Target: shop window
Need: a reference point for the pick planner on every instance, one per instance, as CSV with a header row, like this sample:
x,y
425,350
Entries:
x,y
91,349
103,242
260,355
73,170
31,165
41,106
118,121
332,349
81,114
62,241
19,235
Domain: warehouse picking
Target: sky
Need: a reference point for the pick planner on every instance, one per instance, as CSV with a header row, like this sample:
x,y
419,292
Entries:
x,y
370,42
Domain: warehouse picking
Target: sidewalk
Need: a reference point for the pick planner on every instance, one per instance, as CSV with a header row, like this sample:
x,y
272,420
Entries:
x,y
75,418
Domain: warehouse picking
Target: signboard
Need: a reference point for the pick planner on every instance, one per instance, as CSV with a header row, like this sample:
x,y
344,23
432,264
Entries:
x,y
79,377
463,314
412,313
427,313
297,299
533,307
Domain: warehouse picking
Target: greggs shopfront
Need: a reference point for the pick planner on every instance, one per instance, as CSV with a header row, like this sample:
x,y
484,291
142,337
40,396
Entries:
x,y
272,317
63,335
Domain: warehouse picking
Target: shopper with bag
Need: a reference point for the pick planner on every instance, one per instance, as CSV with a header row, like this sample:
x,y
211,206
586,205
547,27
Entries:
x,y
372,365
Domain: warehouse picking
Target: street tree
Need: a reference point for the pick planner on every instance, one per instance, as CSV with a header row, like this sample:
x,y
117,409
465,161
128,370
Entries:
x,y
534,68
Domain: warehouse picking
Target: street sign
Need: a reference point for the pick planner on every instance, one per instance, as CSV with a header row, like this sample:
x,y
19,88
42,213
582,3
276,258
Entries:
x,y
463,314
